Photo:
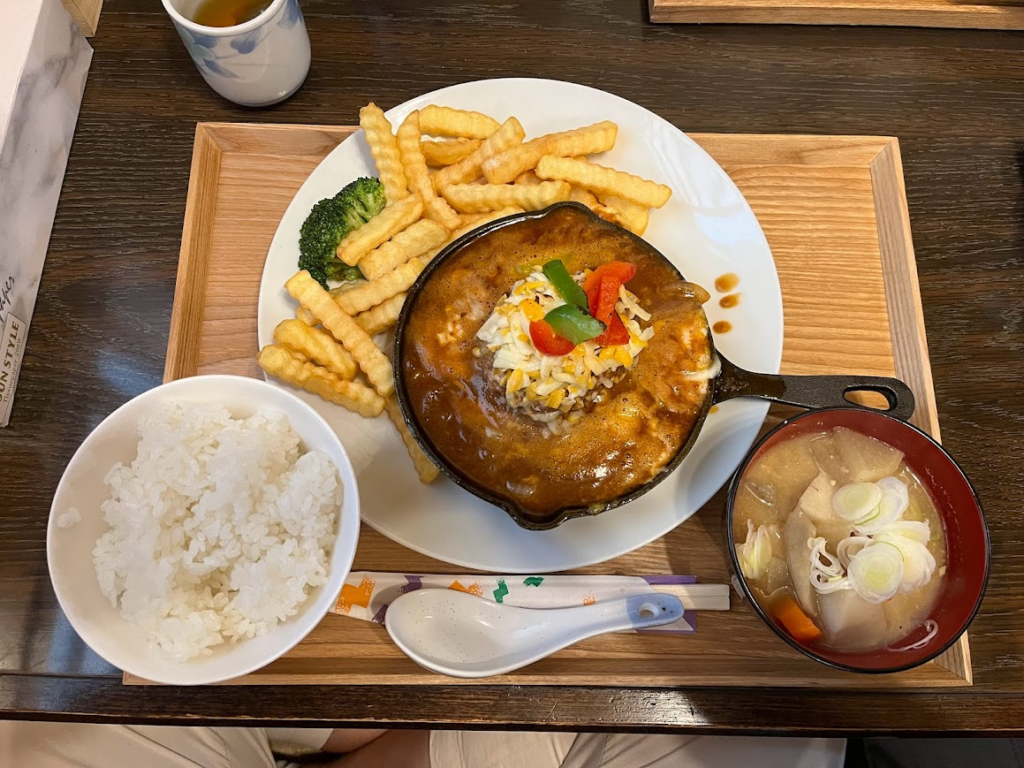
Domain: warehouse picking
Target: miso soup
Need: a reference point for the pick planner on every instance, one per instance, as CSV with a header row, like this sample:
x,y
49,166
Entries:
x,y
839,542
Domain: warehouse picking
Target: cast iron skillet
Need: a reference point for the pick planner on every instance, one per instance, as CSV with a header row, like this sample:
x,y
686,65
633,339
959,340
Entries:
x,y
732,381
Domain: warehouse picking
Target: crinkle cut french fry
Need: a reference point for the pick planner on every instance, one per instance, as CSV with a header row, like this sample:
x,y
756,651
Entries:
x,y
604,181
303,314
419,177
447,121
307,291
438,154
504,167
381,228
425,468
385,153
372,293
317,345
478,198
411,241
293,368
623,212
527,177
474,220
580,195
381,317
507,136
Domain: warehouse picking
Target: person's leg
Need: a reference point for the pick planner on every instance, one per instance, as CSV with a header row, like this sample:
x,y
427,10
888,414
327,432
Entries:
x,y
59,745
344,740
393,749
499,749
294,742
593,750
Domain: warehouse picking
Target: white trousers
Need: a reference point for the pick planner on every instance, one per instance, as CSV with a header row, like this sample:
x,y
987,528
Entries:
x,y
57,745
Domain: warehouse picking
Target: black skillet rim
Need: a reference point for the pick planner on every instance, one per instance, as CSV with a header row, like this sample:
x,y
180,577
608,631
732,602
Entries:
x,y
452,472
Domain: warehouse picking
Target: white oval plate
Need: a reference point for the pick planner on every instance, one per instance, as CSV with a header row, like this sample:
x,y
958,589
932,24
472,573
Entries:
x,y
706,229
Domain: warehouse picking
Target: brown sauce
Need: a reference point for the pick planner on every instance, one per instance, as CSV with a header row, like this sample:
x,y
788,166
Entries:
x,y
722,326
730,301
621,442
727,282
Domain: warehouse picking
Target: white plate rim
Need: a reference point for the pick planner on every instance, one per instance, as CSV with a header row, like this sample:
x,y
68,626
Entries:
x,y
753,411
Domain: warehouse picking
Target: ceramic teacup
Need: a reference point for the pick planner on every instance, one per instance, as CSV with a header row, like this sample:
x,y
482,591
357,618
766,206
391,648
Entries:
x,y
255,64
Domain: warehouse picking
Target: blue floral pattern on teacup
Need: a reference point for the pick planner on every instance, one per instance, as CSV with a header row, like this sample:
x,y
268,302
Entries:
x,y
203,48
292,14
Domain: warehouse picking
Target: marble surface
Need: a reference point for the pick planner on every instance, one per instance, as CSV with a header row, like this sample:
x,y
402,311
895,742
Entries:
x,y
44,60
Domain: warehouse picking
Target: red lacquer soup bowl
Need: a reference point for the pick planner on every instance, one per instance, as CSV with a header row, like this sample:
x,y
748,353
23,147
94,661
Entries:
x,y
967,539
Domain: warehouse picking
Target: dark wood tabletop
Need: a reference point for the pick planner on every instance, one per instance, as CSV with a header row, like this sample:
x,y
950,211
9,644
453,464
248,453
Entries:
x,y
955,99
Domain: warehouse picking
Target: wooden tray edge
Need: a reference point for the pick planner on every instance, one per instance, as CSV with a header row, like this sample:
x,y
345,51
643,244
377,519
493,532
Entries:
x,y
906,324
935,14
182,358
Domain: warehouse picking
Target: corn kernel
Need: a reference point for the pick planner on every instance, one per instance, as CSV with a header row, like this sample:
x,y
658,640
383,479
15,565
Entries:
x,y
623,356
555,398
532,310
515,381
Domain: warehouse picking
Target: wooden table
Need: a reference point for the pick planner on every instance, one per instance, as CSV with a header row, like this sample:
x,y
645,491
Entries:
x,y
953,98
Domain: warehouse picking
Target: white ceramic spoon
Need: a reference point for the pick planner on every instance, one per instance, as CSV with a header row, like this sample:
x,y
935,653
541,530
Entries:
x,y
460,635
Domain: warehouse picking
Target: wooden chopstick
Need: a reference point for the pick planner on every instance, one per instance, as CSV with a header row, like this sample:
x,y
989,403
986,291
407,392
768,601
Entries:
x,y
698,597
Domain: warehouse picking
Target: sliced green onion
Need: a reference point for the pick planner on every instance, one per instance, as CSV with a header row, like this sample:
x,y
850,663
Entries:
x,y
572,323
875,573
918,562
756,552
567,288
856,501
915,530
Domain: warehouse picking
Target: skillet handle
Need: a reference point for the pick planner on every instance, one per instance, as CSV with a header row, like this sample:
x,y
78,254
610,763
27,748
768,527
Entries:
x,y
812,391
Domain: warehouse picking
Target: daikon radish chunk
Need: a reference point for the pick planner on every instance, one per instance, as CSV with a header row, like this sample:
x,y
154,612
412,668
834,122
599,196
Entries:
x,y
850,620
866,459
816,501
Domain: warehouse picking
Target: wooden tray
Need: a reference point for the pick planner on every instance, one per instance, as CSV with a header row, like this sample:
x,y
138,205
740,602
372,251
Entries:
x,y
995,14
834,211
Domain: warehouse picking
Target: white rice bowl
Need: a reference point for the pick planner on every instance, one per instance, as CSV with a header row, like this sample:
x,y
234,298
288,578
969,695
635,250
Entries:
x,y
203,529
219,528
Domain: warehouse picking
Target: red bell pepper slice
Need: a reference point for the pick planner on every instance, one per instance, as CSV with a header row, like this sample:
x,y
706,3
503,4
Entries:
x,y
547,341
616,333
621,270
602,296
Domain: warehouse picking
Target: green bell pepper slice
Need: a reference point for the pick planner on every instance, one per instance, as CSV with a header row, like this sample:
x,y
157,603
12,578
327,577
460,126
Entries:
x,y
572,323
567,288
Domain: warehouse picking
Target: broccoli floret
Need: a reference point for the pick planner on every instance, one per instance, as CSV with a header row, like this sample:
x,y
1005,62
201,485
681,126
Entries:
x,y
339,271
330,221
365,198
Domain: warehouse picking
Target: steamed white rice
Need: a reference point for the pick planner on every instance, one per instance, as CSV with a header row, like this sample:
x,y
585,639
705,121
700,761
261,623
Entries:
x,y
219,529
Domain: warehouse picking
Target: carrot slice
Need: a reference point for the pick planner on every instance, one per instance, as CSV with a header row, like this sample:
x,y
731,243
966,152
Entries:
x,y
799,625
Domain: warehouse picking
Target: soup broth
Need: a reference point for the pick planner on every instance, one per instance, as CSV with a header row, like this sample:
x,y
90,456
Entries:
x,y
772,494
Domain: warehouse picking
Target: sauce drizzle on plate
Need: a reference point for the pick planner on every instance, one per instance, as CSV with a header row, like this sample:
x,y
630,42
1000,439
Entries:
x,y
727,282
